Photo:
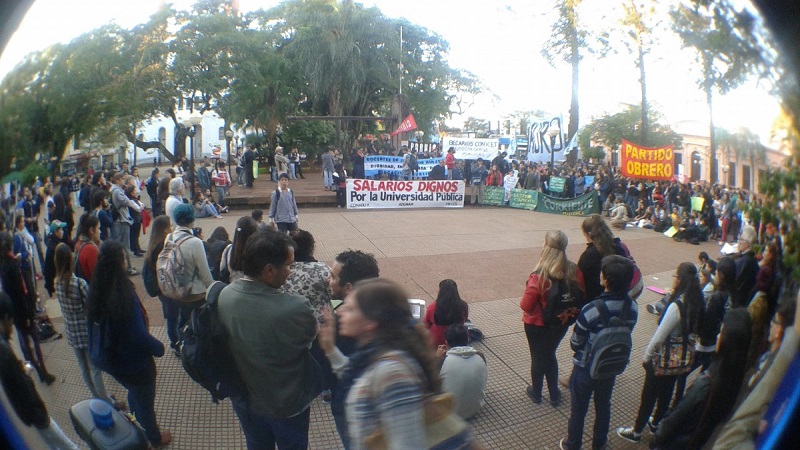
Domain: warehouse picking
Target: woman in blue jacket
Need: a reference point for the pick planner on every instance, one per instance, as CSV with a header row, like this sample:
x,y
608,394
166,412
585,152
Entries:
x,y
114,305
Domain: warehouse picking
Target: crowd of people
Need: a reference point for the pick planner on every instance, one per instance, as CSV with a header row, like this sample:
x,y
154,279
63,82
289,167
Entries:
x,y
377,365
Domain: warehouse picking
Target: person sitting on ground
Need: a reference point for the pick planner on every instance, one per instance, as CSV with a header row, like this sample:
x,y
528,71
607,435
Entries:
x,y
713,394
448,309
707,263
619,214
204,208
463,371
210,196
687,231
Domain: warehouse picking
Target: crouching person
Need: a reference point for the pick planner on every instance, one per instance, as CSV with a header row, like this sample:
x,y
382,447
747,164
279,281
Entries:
x,y
463,371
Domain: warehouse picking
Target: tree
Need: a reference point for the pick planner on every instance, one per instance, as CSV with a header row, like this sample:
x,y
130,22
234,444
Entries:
x,y
727,48
479,126
609,130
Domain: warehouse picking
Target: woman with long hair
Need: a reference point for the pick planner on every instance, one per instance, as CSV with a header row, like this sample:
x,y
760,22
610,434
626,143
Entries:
x,y
683,317
161,227
115,306
233,256
448,309
215,246
386,379
21,288
712,396
87,246
71,293
543,340
599,244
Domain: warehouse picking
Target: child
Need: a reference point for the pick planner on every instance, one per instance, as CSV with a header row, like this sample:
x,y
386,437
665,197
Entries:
x,y
340,181
71,293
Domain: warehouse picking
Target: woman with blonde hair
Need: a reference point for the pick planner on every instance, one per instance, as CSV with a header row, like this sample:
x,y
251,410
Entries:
x,y
546,324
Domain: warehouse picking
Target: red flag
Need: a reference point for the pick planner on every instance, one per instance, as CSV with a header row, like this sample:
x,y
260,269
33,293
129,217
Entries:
x,y
407,124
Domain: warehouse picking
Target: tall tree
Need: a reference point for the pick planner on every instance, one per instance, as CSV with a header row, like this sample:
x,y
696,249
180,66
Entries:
x,y
610,129
728,51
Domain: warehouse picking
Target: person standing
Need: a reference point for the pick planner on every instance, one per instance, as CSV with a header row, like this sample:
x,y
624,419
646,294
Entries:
x,y
222,182
616,273
478,175
450,162
249,157
121,230
31,207
239,169
269,335
194,258
437,172
283,207
357,159
327,170
552,271
204,176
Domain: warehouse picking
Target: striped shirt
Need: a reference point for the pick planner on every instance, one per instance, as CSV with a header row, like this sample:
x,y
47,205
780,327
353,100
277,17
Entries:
x,y
73,308
589,323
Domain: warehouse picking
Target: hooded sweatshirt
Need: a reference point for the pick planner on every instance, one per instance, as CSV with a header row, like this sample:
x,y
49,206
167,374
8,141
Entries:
x,y
464,374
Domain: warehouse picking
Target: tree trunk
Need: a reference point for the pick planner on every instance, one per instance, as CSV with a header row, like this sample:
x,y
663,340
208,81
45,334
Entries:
x,y
574,107
712,177
645,107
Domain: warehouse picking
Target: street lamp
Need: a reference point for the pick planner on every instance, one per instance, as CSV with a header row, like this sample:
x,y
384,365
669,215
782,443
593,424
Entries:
x,y
228,138
191,123
552,133
725,171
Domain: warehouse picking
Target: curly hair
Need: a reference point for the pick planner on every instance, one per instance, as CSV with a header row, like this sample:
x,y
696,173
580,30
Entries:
x,y
450,308
386,303
356,266
111,292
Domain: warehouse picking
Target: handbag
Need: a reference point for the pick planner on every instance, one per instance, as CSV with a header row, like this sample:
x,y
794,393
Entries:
x,y
444,429
675,356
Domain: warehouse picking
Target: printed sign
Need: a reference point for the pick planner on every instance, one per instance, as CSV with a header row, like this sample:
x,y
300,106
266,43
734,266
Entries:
x,y
584,205
556,184
647,163
376,166
375,194
472,148
541,145
493,196
524,199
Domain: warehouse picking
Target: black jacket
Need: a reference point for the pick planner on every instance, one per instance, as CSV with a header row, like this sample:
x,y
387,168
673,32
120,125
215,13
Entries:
x,y
678,427
437,173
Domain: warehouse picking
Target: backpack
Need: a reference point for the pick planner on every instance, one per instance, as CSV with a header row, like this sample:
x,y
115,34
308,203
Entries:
x,y
608,354
564,302
278,194
150,279
206,356
173,281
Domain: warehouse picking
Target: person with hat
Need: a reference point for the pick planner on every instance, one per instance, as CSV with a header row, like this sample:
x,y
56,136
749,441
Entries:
x,y
194,257
450,162
55,237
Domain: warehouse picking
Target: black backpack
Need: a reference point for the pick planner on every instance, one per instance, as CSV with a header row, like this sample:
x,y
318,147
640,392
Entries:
x,y
564,302
206,356
608,354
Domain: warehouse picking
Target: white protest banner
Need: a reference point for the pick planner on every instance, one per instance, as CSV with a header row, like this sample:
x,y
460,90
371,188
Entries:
x,y
540,145
375,194
472,148
375,166
425,166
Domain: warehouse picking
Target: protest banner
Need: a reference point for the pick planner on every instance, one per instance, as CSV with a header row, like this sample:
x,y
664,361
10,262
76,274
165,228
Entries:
x,y
377,194
377,165
524,199
472,148
556,184
493,196
648,163
697,203
584,205
541,145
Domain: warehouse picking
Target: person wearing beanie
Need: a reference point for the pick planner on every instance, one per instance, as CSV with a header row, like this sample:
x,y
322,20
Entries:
x,y
175,198
195,261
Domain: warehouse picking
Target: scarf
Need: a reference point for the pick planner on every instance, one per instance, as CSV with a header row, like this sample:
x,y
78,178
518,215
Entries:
x,y
359,361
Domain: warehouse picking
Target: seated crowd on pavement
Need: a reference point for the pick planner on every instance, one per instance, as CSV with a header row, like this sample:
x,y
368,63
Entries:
x,y
377,366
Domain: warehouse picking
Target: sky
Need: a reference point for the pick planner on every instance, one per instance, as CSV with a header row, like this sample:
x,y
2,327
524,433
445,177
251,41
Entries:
x,y
499,41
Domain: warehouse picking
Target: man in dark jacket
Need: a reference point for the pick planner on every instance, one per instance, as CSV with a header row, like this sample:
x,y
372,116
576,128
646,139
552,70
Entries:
x,y
746,269
437,173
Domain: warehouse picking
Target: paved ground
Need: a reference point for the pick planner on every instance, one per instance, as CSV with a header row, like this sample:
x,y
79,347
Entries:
x,y
488,251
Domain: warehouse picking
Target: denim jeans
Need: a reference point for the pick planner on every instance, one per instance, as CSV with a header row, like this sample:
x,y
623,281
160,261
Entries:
x,y
172,313
92,376
186,309
121,232
286,227
222,192
327,178
240,175
208,210
141,400
262,432
293,171
581,387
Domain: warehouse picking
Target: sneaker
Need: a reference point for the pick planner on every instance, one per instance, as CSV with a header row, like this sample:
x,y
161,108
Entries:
x,y
629,434
132,272
561,444
176,349
536,399
652,426
652,309
47,378
555,401
327,396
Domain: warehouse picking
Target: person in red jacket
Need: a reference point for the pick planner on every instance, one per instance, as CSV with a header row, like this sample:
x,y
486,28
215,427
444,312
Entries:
x,y
495,177
87,247
448,309
544,338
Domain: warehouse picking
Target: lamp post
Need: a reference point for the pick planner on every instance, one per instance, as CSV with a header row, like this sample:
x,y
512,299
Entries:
x,y
228,138
725,171
191,123
552,133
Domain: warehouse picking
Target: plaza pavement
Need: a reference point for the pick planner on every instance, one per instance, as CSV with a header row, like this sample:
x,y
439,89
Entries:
x,y
488,251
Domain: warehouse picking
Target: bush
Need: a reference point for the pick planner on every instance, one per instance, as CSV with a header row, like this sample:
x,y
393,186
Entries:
x,y
31,171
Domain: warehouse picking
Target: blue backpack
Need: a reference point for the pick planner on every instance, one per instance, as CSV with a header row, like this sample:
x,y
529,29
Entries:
x,y
206,356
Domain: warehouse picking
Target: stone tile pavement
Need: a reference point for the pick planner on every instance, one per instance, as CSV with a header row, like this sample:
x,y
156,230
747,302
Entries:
x,y
488,251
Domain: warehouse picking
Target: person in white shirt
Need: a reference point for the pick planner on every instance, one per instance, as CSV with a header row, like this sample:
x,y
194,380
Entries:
x,y
463,371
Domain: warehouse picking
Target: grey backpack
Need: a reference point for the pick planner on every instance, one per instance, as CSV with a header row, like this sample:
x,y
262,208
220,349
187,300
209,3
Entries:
x,y
609,353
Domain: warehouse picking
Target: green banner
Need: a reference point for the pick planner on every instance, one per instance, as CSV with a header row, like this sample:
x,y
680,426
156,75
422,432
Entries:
x,y
584,205
493,195
524,199
556,184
